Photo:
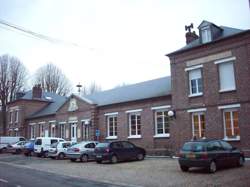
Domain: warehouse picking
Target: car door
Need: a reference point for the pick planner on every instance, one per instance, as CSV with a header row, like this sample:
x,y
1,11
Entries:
x,y
232,155
118,150
129,150
216,152
89,150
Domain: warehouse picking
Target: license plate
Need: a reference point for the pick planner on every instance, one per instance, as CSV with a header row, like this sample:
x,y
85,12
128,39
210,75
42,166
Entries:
x,y
191,155
98,156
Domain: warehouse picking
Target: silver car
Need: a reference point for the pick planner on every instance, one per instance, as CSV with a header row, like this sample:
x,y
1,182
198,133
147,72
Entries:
x,y
58,150
84,151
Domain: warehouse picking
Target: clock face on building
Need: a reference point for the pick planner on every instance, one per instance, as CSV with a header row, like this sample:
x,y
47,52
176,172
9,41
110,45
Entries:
x,y
72,105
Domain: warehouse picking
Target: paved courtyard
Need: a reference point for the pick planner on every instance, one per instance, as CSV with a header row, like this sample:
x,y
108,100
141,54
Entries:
x,y
150,172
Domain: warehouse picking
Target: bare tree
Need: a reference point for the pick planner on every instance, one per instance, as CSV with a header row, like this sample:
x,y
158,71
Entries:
x,y
52,79
12,80
92,88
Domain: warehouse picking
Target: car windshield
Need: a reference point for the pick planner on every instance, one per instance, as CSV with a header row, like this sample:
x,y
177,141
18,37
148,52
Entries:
x,y
100,145
194,146
54,145
38,142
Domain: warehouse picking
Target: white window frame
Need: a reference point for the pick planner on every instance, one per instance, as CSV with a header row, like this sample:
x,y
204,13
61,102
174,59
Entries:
x,y
108,126
199,120
32,130
11,116
189,70
16,116
41,130
164,134
206,35
137,113
53,126
237,138
223,61
62,130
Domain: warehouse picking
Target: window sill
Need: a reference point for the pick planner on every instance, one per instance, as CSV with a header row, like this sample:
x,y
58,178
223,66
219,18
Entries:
x,y
195,95
111,138
227,90
162,135
134,137
232,139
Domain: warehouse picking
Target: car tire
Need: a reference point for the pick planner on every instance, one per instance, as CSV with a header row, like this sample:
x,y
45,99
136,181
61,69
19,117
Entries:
x,y
241,161
84,158
60,156
184,168
99,161
140,156
18,151
32,153
46,154
73,159
212,167
114,159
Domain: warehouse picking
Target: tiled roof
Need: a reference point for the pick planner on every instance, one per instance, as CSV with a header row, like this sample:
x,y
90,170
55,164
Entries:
x,y
144,90
226,32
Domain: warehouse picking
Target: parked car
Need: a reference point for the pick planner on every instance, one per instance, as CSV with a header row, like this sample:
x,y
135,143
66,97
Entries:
x,y
58,150
28,149
210,154
5,141
42,145
118,151
16,148
84,151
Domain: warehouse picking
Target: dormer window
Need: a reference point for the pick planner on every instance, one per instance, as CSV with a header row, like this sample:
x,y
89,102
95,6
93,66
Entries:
x,y
206,34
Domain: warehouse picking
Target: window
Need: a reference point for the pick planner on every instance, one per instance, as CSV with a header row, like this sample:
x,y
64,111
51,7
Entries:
x,y
161,123
62,130
41,127
10,116
127,145
52,141
32,131
214,146
226,75
198,120
135,125
85,128
226,145
195,82
53,130
231,125
16,116
206,35
90,146
112,126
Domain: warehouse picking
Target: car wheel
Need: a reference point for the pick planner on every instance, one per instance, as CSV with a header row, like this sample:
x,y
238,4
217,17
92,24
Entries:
x,y
26,154
184,168
46,154
140,156
18,151
60,156
32,153
99,161
212,167
73,159
241,161
84,158
114,159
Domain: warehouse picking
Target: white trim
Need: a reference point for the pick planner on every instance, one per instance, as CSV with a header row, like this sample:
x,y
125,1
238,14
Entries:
x,y
41,122
111,137
195,95
134,136
160,107
225,60
197,110
194,67
228,106
111,114
52,121
32,123
84,120
73,121
62,122
133,111
162,135
227,90
237,138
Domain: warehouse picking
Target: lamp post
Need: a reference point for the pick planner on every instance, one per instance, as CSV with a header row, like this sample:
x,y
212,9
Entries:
x,y
172,114
79,87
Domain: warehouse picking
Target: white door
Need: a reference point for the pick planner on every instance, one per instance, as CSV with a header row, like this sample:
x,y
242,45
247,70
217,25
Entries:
x,y
46,133
73,132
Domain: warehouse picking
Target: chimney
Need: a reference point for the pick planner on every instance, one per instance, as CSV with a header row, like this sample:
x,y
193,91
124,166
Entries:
x,y
37,91
190,36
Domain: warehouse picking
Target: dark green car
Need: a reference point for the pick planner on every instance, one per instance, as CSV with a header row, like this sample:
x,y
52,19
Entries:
x,y
209,154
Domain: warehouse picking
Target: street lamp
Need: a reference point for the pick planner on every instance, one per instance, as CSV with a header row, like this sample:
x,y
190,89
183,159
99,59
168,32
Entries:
x,y
171,114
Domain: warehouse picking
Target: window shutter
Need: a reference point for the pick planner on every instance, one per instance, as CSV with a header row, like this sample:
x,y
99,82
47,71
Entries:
x,y
227,79
195,74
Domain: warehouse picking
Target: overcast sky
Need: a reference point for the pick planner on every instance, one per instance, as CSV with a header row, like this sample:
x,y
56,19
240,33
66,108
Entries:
x,y
121,41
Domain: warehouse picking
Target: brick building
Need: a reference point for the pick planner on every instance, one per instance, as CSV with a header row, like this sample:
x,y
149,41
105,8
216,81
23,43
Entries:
x,y
208,92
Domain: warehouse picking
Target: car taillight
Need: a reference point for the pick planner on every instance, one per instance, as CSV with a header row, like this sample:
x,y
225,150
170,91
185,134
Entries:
x,y
181,155
76,149
107,150
204,156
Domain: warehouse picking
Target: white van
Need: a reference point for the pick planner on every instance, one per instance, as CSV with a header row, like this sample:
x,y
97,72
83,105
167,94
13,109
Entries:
x,y
8,140
42,145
